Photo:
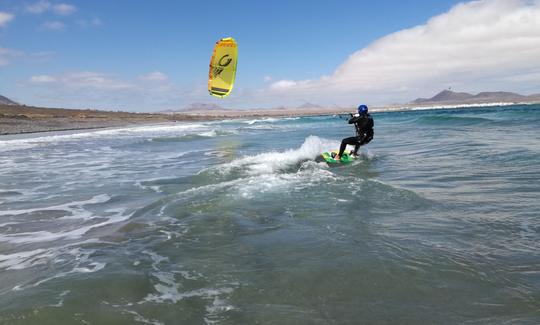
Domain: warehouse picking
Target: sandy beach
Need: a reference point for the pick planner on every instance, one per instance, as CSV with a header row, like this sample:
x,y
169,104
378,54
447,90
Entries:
x,y
26,119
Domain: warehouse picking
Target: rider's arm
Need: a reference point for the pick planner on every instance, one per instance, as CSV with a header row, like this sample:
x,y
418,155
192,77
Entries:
x,y
354,119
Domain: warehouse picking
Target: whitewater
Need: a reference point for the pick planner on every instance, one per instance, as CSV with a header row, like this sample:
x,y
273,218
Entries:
x,y
240,222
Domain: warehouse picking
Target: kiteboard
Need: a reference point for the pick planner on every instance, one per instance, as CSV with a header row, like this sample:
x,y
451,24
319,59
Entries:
x,y
345,158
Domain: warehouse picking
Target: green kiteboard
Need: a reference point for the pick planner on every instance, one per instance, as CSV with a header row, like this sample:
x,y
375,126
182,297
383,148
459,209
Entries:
x,y
345,159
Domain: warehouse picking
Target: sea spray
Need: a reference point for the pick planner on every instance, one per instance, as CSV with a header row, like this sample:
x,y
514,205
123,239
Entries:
x,y
270,162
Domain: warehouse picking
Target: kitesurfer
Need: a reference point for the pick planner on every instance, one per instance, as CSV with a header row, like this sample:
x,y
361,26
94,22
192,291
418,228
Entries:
x,y
363,122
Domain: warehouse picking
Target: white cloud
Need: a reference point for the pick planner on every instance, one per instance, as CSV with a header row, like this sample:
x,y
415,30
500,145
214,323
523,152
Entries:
x,y
38,7
94,22
154,76
6,55
41,79
94,80
284,84
42,6
64,9
5,18
54,25
83,80
477,45
41,56
105,91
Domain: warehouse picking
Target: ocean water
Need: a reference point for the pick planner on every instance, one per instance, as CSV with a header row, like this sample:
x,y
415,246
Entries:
x,y
238,222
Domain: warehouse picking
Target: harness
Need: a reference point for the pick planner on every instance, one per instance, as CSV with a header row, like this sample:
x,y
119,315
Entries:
x,y
364,128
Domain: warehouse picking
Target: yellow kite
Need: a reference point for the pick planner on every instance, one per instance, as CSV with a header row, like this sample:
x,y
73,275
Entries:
x,y
223,67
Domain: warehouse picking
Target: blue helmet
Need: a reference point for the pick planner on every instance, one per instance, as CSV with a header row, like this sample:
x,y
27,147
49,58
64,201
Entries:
x,y
362,109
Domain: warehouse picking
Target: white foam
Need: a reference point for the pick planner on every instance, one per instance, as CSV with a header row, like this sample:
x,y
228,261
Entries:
x,y
156,258
7,164
23,260
262,120
218,306
309,175
82,265
269,172
7,224
190,275
61,302
46,236
170,293
159,128
270,162
171,234
210,134
92,267
27,259
42,139
73,208
140,319
422,108
167,288
270,120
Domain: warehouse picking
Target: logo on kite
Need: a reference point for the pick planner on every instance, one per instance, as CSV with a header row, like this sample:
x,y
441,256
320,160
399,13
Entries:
x,y
218,71
223,67
221,64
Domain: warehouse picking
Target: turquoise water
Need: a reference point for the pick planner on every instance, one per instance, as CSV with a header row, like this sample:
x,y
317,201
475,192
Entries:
x,y
237,222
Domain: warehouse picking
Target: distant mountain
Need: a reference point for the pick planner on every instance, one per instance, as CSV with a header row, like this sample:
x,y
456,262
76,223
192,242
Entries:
x,y
448,97
499,95
7,101
194,107
309,105
444,96
534,98
202,107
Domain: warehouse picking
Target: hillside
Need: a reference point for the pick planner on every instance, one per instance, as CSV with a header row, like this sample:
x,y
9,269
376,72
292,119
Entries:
x,y
444,96
7,101
448,97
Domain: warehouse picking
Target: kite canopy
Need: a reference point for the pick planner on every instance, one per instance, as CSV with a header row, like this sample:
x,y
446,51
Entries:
x,y
223,67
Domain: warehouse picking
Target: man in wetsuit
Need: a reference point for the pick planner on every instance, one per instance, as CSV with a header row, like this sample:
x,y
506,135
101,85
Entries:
x,y
363,122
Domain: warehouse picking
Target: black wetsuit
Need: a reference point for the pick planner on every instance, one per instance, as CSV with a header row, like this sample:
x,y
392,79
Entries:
x,y
364,132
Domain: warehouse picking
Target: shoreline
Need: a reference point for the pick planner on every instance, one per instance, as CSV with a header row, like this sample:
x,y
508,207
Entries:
x,y
62,130
27,122
13,126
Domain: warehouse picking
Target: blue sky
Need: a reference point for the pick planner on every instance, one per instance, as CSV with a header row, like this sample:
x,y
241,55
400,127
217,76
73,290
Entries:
x,y
154,55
